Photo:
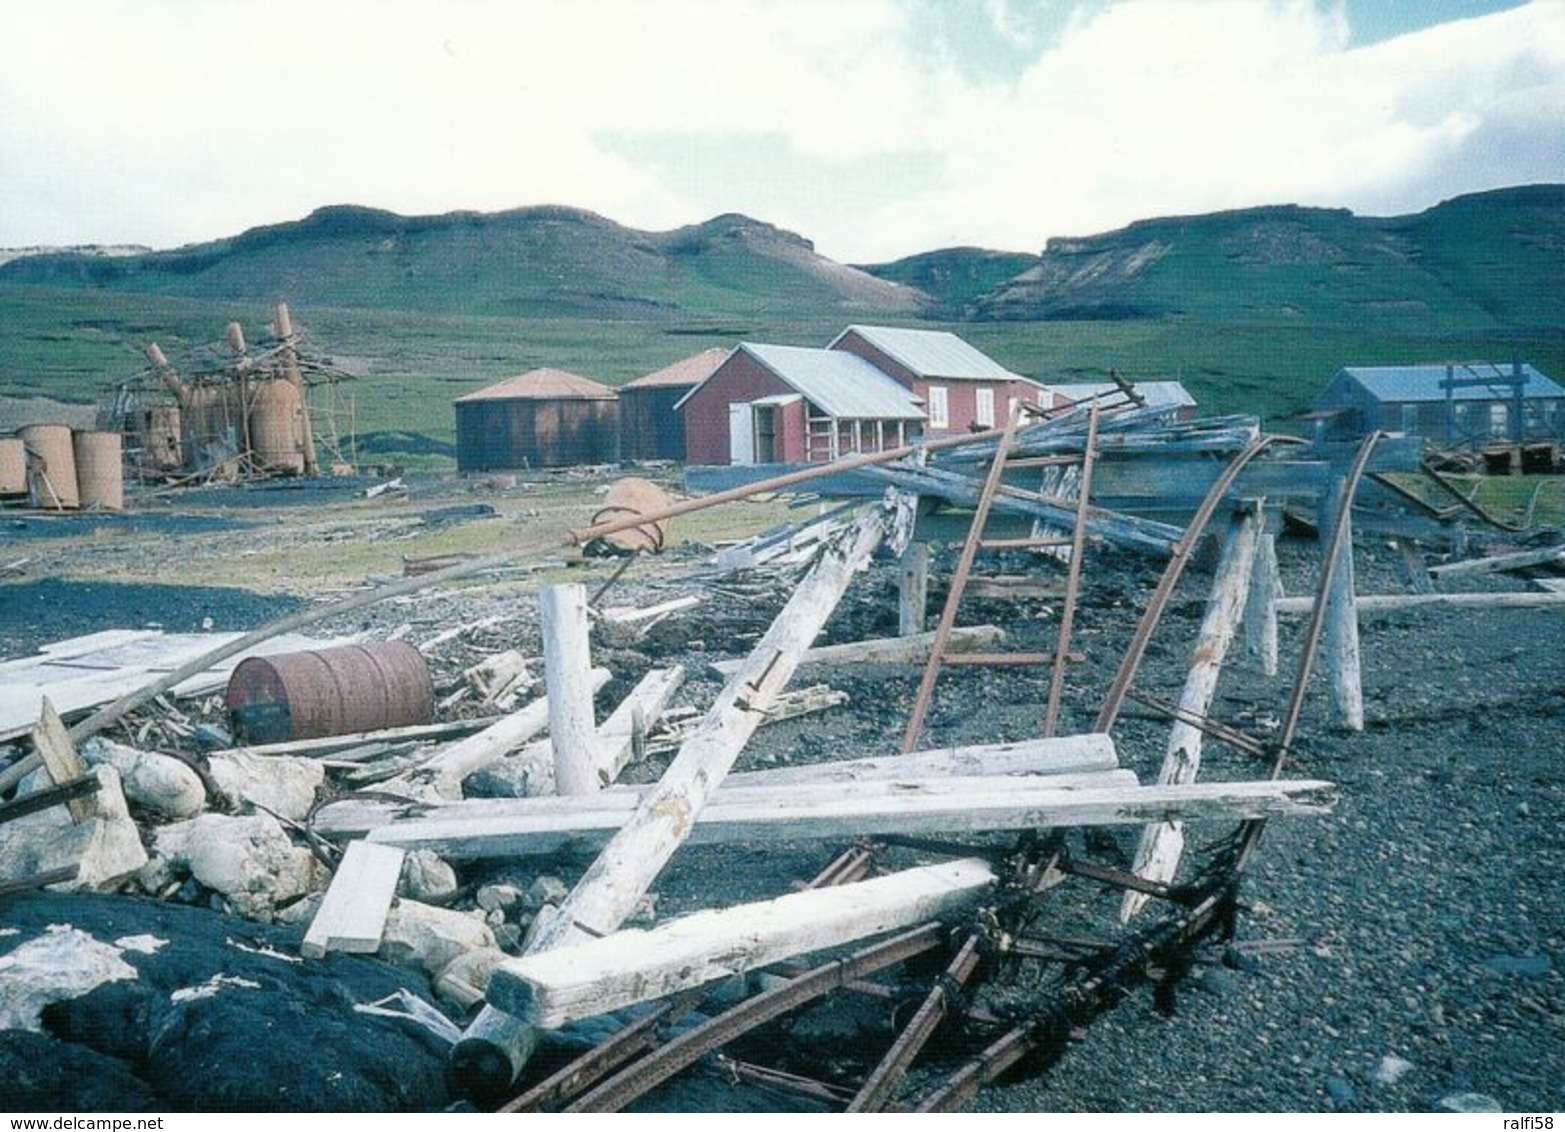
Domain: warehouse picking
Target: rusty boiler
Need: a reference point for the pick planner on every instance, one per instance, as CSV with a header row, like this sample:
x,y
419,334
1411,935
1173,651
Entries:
x,y
277,429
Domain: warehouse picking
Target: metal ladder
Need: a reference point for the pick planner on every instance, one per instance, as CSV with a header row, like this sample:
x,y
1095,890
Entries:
x,y
975,541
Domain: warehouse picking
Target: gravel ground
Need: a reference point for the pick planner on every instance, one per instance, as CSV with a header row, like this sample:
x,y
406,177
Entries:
x,y
1416,931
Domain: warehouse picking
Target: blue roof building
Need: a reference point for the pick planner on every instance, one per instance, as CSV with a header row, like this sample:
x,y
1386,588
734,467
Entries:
x,y
1458,404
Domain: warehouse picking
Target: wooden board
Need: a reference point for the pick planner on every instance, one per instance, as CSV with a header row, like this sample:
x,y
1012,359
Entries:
x,y
352,915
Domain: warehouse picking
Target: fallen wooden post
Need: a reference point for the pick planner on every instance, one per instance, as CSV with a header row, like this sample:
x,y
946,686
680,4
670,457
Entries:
x,y
57,753
1383,603
495,1047
352,915
573,731
1162,845
1499,563
1341,642
912,649
913,589
599,976
843,811
1260,608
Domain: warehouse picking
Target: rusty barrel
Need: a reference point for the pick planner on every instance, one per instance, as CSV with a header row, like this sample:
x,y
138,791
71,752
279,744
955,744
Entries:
x,y
100,469
52,469
13,466
335,691
629,498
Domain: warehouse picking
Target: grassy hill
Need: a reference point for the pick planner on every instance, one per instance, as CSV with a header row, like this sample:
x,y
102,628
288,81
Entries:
x,y
1253,310
1487,260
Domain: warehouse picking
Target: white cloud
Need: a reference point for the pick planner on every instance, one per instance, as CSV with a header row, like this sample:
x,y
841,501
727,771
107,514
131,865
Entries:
x,y
165,121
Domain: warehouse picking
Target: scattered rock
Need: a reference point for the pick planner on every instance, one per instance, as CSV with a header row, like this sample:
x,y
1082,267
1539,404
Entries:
x,y
1341,1091
547,890
249,860
106,848
285,786
427,878
1469,1102
1526,965
424,936
158,783
1390,1070
501,898
63,963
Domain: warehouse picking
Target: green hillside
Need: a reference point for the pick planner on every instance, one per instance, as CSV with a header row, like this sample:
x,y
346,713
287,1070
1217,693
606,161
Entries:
x,y
955,278
1486,260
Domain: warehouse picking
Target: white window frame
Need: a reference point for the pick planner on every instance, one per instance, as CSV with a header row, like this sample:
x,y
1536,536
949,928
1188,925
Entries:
x,y
939,407
983,407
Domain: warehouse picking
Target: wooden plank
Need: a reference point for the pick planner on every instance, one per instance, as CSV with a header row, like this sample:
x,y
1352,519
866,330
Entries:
x,y
1070,754
1260,611
1384,603
573,729
598,976
913,649
352,915
331,743
1499,563
846,811
60,760
1163,844
913,589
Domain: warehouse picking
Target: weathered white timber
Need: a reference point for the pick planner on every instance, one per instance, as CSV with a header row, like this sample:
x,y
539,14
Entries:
x,y
1069,756
1384,603
60,761
912,649
1260,608
846,810
1162,845
573,732
327,744
1499,563
634,615
913,589
352,916
1340,644
443,773
531,770
610,888
597,976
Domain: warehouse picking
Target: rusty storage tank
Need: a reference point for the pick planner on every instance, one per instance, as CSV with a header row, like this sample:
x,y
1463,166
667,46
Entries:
x,y
277,427
335,691
52,469
630,498
100,469
13,467
162,449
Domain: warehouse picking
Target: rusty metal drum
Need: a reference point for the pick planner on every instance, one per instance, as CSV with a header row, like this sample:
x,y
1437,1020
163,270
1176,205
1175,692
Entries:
x,y
335,691
626,499
13,466
52,468
100,469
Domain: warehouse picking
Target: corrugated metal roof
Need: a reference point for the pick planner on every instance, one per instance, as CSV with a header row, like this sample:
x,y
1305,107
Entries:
x,y
689,371
839,383
1422,383
932,353
542,385
1159,394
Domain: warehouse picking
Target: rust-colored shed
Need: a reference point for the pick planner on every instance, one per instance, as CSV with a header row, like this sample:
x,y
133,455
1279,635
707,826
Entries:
x,y
651,425
544,418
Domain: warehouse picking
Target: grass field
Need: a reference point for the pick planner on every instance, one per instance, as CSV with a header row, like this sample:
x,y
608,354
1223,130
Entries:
x,y
77,345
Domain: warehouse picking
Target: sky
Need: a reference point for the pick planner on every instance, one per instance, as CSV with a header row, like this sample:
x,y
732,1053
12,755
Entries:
x,y
875,128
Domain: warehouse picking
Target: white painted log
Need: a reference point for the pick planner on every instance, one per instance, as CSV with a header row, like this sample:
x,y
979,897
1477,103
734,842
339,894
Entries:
x,y
1067,756
352,915
912,649
1384,603
573,731
1340,642
913,589
616,737
1260,609
443,773
1499,562
1162,845
602,975
864,809
637,852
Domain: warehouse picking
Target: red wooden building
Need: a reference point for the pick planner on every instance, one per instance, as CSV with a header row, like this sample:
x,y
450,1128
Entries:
x,y
792,405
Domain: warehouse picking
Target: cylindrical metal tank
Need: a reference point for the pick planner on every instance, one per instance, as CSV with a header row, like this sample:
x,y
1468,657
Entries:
x,y
52,469
100,469
335,691
13,466
277,427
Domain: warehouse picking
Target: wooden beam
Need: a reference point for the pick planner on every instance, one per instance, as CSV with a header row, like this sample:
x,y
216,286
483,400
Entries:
x,y
573,731
1340,644
1384,603
844,811
912,649
352,915
60,761
597,976
1499,562
329,743
1162,845
1260,610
